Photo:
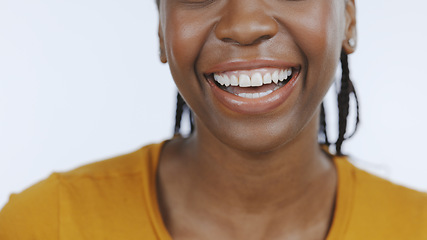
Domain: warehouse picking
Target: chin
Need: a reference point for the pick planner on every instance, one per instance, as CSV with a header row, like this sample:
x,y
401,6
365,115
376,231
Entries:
x,y
265,139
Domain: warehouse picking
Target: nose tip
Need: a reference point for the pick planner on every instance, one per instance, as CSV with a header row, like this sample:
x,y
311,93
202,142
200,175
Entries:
x,y
246,26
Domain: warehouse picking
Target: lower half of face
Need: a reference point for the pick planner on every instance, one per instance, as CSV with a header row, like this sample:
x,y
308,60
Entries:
x,y
254,72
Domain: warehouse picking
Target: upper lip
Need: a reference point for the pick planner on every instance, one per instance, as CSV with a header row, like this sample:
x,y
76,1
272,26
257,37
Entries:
x,y
234,65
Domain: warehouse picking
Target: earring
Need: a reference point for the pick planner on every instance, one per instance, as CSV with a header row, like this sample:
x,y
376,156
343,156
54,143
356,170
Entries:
x,y
352,42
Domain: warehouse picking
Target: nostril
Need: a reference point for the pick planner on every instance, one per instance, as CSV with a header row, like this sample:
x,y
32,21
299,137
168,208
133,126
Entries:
x,y
261,39
229,40
255,42
253,31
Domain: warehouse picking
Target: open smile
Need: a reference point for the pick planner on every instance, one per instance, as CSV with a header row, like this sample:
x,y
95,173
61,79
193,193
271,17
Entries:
x,y
255,83
255,88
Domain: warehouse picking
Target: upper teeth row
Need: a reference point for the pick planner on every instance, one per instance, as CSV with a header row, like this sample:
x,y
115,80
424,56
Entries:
x,y
256,80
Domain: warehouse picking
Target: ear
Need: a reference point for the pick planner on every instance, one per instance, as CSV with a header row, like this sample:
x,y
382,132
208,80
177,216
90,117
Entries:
x,y
350,39
162,52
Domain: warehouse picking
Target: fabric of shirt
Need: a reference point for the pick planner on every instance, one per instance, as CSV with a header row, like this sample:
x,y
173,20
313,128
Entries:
x,y
116,199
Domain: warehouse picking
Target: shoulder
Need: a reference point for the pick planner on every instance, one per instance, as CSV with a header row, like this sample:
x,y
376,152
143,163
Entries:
x,y
385,209
127,164
91,195
31,212
396,200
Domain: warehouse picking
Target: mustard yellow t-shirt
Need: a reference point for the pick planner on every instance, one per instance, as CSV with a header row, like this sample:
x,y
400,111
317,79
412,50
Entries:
x,y
116,199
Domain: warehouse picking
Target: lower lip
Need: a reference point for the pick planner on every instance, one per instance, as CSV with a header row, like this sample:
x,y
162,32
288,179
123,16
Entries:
x,y
255,105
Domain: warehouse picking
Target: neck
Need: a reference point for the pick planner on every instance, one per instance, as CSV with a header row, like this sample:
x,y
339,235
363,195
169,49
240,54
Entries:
x,y
288,190
235,180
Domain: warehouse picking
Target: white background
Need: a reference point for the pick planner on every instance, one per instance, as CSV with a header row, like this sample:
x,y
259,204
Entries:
x,y
81,81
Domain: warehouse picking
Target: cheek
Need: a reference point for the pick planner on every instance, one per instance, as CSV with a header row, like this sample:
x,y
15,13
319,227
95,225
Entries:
x,y
319,34
180,46
318,30
184,36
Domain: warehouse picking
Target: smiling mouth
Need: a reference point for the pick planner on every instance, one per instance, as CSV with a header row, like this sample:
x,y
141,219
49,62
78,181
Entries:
x,y
254,83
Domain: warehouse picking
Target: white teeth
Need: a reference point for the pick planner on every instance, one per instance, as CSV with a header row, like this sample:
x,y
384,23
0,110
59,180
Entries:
x,y
246,95
234,81
254,95
226,80
265,93
244,80
217,78
256,80
221,79
275,77
282,75
267,78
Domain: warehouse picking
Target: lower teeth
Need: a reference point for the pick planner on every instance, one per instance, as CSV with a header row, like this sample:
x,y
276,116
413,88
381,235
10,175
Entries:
x,y
255,95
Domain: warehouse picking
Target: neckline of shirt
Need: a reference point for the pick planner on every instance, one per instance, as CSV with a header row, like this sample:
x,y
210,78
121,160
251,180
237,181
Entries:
x,y
343,199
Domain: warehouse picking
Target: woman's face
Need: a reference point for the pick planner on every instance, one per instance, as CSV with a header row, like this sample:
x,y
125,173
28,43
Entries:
x,y
226,56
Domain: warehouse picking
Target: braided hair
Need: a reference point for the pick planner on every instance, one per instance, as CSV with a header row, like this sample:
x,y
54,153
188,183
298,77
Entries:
x,y
181,108
346,91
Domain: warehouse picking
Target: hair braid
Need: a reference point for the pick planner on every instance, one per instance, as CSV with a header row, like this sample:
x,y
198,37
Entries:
x,y
181,107
353,91
178,115
190,113
347,89
322,129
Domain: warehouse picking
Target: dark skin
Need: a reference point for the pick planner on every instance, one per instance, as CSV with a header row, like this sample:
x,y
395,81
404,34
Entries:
x,y
251,176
